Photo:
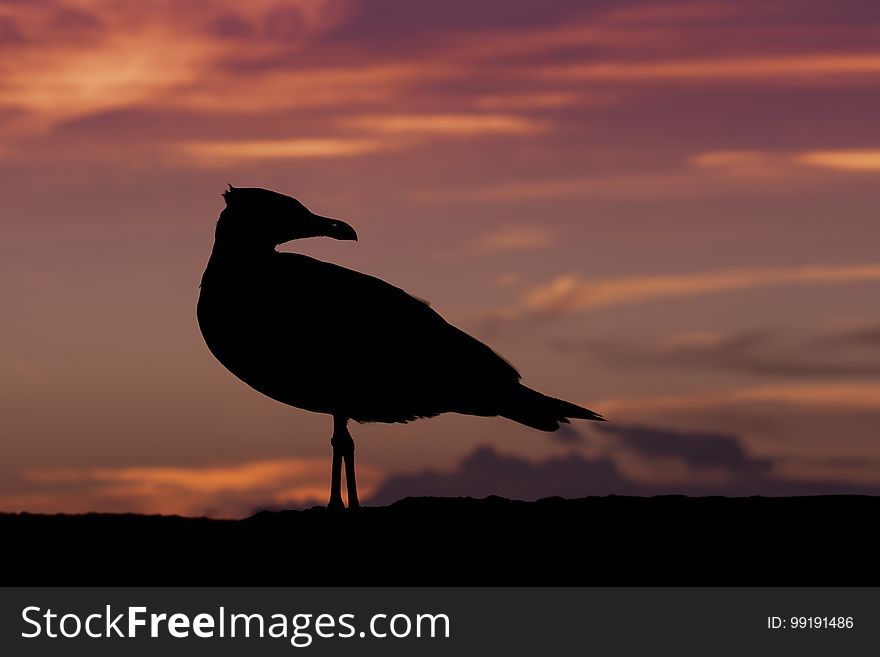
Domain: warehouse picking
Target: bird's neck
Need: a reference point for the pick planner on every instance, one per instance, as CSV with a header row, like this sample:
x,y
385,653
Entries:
x,y
241,249
235,262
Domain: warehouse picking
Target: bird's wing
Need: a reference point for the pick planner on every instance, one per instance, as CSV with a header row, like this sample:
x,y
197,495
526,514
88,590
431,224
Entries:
x,y
375,340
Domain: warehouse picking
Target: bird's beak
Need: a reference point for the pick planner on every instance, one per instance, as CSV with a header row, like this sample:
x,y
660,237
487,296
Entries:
x,y
335,228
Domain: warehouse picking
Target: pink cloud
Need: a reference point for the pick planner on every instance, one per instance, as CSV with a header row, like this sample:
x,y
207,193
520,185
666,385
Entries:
x,y
571,293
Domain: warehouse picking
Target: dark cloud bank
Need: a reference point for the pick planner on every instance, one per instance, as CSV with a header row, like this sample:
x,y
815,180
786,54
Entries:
x,y
486,472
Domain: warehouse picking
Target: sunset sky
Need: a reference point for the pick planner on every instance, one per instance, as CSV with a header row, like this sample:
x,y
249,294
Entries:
x,y
666,211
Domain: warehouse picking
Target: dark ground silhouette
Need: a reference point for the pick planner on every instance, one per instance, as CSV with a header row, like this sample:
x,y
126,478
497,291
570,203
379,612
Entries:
x,y
331,340
672,540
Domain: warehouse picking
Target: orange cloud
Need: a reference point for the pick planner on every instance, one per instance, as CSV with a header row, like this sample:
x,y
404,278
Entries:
x,y
393,130
221,491
842,160
852,396
596,34
804,67
360,84
705,174
207,153
86,56
571,293
450,124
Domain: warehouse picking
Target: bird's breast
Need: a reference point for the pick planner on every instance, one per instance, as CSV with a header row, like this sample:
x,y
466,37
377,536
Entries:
x,y
258,333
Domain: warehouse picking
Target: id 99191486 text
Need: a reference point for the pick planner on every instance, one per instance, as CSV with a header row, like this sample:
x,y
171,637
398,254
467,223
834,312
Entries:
x,y
810,623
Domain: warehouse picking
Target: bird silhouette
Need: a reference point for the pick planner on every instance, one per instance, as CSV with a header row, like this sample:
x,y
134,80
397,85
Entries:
x,y
331,340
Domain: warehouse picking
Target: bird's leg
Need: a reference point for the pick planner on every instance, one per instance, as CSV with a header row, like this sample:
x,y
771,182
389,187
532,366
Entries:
x,y
343,451
350,480
345,443
336,503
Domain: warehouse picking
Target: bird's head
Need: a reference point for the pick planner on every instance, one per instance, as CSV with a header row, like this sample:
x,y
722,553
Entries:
x,y
263,217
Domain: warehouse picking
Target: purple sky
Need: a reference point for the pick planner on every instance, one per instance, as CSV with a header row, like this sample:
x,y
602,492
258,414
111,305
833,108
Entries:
x,y
663,210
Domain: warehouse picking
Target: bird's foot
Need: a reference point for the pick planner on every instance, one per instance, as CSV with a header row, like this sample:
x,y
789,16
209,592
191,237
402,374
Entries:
x,y
335,505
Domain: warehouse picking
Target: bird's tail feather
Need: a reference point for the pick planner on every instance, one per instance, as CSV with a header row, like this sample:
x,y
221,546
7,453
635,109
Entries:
x,y
539,411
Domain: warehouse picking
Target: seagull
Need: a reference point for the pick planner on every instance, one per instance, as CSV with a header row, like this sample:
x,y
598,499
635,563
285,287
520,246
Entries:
x,y
331,340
